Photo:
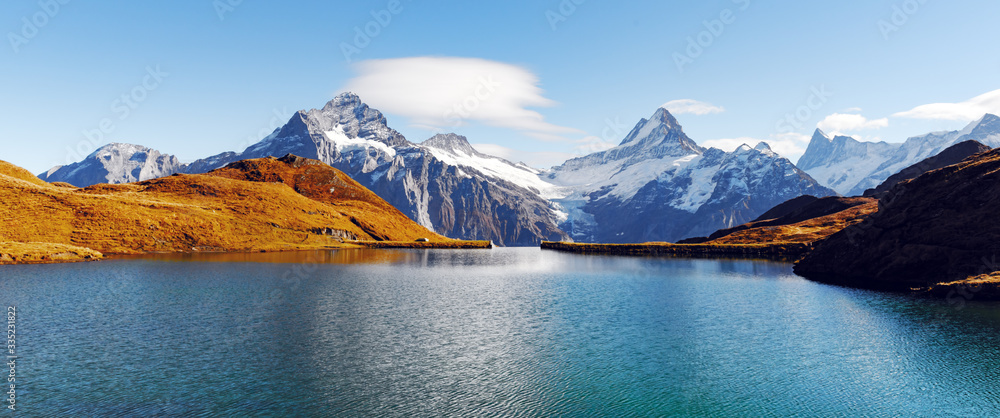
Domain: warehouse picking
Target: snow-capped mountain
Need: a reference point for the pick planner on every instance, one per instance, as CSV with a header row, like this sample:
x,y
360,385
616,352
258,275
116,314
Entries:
x,y
841,162
443,184
115,164
851,167
658,185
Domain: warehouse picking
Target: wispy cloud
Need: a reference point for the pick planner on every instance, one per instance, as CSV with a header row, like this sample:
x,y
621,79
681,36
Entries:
x,y
443,93
847,122
692,107
968,110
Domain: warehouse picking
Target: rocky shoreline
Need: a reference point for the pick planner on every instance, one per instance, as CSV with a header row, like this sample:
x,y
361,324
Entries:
x,y
769,251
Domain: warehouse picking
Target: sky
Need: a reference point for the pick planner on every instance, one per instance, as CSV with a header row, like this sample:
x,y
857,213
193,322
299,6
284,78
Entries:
x,y
533,81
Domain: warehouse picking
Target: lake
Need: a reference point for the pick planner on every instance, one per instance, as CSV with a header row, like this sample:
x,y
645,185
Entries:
x,y
507,332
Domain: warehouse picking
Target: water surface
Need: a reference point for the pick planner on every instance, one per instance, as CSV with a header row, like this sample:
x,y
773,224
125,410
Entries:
x,y
511,332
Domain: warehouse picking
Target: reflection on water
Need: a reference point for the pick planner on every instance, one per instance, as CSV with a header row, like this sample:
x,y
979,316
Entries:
x,y
515,332
347,256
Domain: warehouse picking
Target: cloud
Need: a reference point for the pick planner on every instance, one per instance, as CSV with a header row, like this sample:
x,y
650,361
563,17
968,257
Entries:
x,y
443,93
845,122
791,145
968,110
693,107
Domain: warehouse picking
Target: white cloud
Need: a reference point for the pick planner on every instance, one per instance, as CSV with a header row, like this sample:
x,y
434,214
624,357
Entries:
x,y
693,107
443,93
845,122
968,110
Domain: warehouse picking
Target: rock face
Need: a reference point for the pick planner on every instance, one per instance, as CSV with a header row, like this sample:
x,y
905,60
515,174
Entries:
x,y
939,227
951,156
842,162
443,184
116,164
658,185
852,167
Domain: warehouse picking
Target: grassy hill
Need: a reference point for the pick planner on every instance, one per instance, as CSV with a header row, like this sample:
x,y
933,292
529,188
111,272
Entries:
x,y
256,205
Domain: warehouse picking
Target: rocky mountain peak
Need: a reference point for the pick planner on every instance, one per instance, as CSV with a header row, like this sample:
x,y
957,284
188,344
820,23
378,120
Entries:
x,y
987,125
451,142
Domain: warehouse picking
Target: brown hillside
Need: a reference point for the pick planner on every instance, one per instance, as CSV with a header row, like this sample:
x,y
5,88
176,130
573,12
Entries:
x,y
808,231
938,228
185,213
320,182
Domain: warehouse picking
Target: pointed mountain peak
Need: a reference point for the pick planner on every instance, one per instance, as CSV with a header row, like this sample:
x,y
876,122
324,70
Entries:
x,y
345,99
989,124
664,117
763,147
450,142
819,134
661,133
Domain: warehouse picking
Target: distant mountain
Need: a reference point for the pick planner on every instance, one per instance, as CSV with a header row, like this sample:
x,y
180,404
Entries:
x,y
939,227
443,184
953,155
659,185
115,164
851,167
841,162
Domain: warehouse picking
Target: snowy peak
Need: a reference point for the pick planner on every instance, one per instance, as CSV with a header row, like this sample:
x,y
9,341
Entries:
x,y
661,131
763,147
451,142
116,163
662,120
355,119
986,126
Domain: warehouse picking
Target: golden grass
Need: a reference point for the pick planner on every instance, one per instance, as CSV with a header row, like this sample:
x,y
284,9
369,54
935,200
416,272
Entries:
x,y
44,252
454,244
211,212
808,231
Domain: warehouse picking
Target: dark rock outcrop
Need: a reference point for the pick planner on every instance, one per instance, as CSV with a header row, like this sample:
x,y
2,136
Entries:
x,y
953,155
939,227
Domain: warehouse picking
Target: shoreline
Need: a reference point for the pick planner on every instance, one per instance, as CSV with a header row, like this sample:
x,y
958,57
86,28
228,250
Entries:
x,y
36,253
776,252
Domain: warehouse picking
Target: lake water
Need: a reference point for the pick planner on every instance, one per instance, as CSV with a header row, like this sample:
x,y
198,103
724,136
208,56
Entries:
x,y
507,332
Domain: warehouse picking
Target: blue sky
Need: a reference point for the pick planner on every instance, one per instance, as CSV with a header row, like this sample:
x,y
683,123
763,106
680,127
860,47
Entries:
x,y
554,78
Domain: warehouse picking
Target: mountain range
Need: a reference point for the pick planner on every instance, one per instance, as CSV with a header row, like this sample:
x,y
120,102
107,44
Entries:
x,y
851,167
656,185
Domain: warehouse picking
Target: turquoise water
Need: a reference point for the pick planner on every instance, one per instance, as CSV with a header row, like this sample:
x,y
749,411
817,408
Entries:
x,y
508,332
